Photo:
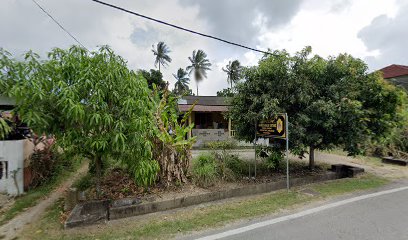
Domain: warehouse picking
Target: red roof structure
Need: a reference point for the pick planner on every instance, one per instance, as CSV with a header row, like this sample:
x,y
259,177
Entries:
x,y
394,70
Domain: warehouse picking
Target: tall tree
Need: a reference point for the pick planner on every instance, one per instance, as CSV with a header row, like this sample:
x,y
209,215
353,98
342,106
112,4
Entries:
x,y
199,66
330,102
161,51
226,92
93,105
96,107
153,77
233,70
181,85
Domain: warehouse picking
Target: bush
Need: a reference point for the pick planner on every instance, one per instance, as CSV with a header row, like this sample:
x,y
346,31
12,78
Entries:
x,y
272,156
273,160
222,145
237,166
84,182
204,170
146,173
47,163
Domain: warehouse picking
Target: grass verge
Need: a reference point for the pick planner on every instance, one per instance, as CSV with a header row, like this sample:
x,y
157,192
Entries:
x,y
167,225
375,161
32,197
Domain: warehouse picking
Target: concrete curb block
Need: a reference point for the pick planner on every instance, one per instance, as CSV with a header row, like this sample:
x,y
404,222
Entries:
x,y
96,212
144,208
88,213
395,161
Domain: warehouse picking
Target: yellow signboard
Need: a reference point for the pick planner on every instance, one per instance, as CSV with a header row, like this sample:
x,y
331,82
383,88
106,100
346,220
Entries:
x,y
272,128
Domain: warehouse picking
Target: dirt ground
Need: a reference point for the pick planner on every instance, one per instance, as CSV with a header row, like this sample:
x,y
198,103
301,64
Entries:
x,y
12,229
371,165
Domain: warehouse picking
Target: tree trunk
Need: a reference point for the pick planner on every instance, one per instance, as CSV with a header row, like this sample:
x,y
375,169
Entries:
x,y
159,66
311,158
98,168
173,165
197,88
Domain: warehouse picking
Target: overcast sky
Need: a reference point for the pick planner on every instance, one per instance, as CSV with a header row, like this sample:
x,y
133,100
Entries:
x,y
374,30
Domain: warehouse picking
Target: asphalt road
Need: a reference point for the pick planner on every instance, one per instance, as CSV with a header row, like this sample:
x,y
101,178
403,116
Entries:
x,y
382,216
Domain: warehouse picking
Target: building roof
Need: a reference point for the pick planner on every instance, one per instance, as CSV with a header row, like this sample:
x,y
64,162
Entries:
x,y
203,104
204,100
202,108
394,70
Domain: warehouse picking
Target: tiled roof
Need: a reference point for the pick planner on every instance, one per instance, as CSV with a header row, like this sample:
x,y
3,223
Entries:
x,y
394,70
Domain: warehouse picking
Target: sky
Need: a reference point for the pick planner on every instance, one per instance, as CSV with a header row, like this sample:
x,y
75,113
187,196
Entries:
x,y
373,30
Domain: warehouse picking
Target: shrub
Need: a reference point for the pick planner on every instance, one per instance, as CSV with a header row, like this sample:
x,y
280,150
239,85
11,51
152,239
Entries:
x,y
84,182
146,172
47,162
238,166
204,170
273,160
271,155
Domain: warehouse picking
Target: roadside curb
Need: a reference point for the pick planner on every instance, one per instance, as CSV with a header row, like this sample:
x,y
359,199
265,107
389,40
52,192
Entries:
x,y
101,211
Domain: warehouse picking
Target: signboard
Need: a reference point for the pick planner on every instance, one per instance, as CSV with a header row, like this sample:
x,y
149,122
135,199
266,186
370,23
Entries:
x,y
272,128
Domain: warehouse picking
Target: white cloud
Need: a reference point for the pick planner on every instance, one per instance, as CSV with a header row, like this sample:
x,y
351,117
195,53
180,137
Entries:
x,y
330,27
329,32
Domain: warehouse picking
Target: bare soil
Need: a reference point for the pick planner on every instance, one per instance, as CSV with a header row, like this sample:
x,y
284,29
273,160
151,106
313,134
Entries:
x,y
12,229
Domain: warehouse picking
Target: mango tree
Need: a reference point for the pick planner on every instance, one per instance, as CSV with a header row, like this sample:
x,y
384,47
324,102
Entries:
x,y
330,102
93,105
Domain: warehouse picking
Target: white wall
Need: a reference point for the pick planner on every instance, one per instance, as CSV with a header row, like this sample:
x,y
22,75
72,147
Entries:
x,y
13,153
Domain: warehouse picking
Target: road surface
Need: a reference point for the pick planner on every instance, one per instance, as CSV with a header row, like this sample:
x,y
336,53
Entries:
x,y
382,216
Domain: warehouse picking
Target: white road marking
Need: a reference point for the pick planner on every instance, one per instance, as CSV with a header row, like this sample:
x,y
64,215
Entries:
x,y
299,214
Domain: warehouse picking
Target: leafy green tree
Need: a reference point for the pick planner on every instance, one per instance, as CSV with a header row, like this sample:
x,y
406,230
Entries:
x,y
96,107
153,77
161,51
199,66
233,70
330,102
181,85
93,105
227,92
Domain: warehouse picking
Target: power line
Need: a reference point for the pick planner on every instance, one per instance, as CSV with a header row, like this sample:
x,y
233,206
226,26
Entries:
x,y
65,30
178,27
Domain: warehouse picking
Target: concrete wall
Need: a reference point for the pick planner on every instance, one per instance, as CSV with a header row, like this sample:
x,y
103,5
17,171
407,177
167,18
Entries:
x,y
12,159
209,135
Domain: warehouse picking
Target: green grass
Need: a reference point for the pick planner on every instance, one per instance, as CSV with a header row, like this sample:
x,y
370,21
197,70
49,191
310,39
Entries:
x,y
342,186
164,226
32,197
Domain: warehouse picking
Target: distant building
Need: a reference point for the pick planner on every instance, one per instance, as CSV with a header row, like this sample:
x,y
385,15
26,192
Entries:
x,y
210,123
397,74
6,103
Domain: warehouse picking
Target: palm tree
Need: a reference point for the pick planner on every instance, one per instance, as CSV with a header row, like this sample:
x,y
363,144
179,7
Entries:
x,y
181,85
161,52
233,70
199,65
